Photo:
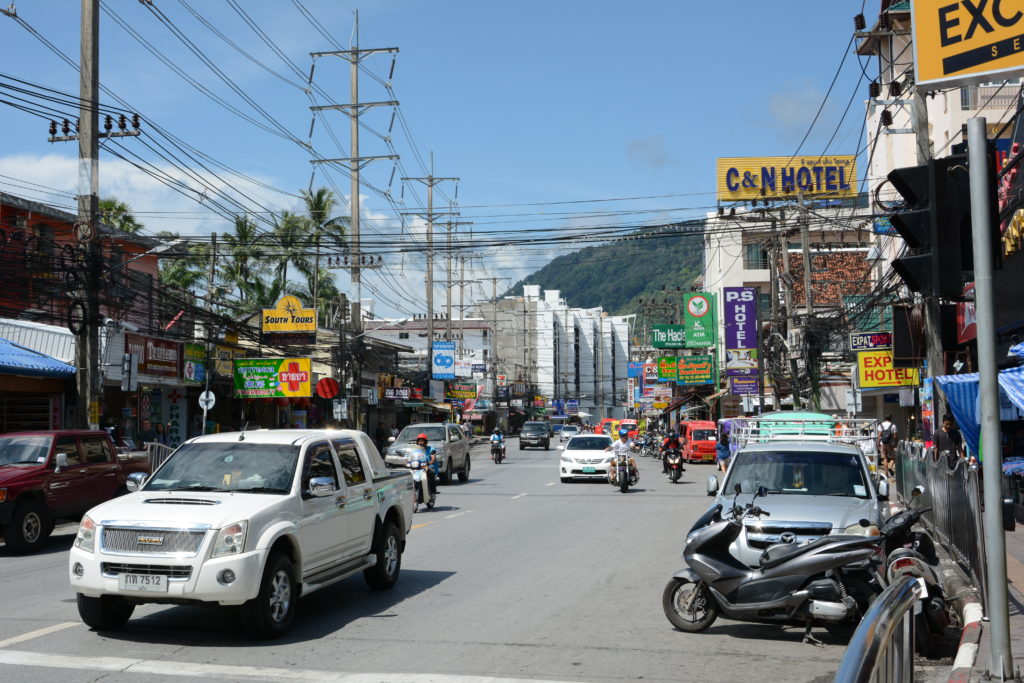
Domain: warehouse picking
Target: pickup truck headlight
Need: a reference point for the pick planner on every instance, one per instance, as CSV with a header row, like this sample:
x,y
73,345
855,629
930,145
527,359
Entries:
x,y
858,530
86,538
230,540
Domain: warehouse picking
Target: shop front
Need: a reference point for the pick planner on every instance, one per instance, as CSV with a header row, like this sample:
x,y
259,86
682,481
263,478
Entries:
x,y
33,389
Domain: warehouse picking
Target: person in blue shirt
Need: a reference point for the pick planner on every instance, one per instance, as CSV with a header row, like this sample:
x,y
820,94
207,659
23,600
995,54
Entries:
x,y
499,438
434,468
723,452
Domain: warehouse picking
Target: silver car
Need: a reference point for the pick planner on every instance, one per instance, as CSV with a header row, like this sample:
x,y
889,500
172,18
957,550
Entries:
x,y
814,489
568,431
446,438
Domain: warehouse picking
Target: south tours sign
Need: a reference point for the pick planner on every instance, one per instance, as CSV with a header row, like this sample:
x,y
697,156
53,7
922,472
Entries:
x,y
289,316
745,178
272,377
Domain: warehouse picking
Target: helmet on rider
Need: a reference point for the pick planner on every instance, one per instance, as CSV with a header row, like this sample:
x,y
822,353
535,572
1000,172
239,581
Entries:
x,y
497,431
422,437
623,432
672,435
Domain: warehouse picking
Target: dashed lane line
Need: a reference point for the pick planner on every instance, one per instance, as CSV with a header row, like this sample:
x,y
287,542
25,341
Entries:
x,y
551,483
32,635
519,496
456,514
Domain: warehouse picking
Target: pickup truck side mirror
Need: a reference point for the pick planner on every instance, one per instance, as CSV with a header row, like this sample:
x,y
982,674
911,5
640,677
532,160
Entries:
x,y
391,439
62,462
321,486
883,489
136,480
453,439
712,485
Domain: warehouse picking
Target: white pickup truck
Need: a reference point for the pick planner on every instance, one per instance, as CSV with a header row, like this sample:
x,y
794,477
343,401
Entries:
x,y
254,519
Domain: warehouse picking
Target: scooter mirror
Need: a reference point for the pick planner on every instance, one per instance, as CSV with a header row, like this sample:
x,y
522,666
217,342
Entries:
x,y
918,490
762,491
737,489
864,523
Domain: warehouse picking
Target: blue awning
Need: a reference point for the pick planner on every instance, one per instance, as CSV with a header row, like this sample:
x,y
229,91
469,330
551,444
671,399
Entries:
x,y
18,360
962,393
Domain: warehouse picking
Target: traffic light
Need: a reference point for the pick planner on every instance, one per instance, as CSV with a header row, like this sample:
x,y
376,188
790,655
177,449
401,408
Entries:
x,y
936,225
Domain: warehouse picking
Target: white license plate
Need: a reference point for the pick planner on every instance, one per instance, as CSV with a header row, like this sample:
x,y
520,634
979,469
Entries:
x,y
143,583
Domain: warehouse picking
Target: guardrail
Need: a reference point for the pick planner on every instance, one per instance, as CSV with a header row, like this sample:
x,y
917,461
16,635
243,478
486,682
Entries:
x,y
157,454
953,492
882,647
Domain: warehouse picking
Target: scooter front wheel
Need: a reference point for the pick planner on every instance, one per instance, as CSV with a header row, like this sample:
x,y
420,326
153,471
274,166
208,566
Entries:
x,y
702,611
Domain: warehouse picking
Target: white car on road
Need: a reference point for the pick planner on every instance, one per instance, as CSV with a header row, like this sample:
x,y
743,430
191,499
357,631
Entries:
x,y
568,431
585,457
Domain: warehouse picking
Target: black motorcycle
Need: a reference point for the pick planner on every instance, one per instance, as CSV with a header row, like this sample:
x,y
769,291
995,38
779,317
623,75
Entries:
x,y
497,452
831,579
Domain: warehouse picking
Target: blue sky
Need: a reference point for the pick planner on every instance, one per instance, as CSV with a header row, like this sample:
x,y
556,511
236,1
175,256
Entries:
x,y
530,104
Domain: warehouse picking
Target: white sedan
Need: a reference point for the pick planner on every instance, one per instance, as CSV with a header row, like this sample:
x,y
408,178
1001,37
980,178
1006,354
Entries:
x,y
585,457
568,431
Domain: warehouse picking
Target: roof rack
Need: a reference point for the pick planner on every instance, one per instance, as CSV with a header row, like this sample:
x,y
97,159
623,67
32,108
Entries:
x,y
747,430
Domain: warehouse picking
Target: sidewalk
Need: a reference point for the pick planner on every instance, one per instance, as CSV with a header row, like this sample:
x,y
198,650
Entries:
x,y
1015,575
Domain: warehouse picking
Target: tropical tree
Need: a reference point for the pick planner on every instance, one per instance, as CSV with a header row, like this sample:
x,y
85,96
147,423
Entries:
x,y
184,267
289,242
244,258
118,214
329,233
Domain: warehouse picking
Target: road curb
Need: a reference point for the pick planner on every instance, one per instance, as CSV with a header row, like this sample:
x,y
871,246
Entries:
x,y
967,652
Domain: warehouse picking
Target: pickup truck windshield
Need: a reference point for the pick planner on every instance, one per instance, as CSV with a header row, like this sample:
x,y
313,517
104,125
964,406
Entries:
x,y
409,434
228,466
805,473
535,427
15,450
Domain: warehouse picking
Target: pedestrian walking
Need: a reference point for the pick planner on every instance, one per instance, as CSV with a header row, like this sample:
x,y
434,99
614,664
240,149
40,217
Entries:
x,y
723,453
948,439
888,437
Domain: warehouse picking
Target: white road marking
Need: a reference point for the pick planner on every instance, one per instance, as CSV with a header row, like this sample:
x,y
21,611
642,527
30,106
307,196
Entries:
x,y
32,635
550,483
226,671
456,514
519,496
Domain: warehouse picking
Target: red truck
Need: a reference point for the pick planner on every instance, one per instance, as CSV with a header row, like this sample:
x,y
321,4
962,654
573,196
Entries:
x,y
701,438
47,476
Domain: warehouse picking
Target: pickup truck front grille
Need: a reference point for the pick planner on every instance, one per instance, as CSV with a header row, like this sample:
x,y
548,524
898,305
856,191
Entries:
x,y
173,572
145,541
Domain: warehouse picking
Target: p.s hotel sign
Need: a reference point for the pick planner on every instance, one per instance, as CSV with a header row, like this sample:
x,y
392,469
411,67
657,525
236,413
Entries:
x,y
957,42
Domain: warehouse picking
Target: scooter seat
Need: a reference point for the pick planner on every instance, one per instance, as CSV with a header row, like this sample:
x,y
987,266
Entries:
x,y
779,553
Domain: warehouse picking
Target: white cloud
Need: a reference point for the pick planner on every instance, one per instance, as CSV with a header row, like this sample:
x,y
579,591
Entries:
x,y
652,152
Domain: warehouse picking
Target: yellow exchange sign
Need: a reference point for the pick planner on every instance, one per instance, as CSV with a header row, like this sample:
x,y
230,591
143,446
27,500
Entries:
x,y
969,41
744,178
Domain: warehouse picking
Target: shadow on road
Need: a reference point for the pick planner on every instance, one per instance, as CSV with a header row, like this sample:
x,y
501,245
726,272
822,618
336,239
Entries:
x,y
771,632
324,612
57,543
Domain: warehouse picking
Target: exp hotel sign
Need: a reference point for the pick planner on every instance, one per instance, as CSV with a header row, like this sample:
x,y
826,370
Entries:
x,y
743,178
967,41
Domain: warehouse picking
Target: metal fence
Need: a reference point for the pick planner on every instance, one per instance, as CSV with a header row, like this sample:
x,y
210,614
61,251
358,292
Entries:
x,y
157,454
882,647
953,492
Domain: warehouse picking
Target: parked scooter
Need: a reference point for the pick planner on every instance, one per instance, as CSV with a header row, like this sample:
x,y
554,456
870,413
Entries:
x,y
674,458
829,580
421,483
912,553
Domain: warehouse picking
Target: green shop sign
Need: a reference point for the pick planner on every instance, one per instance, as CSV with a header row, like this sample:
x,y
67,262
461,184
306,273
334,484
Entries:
x,y
668,336
272,377
699,318
667,367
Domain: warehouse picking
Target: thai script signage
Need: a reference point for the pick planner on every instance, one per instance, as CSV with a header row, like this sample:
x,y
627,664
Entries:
x,y
272,377
194,371
667,367
460,390
745,178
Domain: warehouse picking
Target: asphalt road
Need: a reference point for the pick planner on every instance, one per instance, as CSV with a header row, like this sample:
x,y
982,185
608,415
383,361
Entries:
x,y
512,575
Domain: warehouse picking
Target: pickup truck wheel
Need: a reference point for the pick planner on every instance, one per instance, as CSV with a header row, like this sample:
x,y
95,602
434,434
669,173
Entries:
x,y
29,527
105,612
384,574
270,613
464,473
446,476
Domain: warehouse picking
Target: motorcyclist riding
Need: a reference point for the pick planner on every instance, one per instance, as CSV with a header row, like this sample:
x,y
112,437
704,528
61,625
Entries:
x,y
623,448
498,438
431,455
671,443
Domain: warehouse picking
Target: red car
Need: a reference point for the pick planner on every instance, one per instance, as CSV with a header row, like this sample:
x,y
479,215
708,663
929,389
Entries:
x,y
50,475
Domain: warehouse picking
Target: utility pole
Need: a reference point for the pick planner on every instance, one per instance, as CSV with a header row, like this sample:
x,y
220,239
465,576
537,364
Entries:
x,y
355,162
430,181
988,389
87,351
210,289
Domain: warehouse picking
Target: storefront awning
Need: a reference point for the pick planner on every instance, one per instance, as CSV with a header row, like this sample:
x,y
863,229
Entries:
x,y
962,393
445,407
674,405
412,404
19,360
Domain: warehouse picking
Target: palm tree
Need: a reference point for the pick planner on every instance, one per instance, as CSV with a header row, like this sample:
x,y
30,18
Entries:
x,y
245,257
327,232
183,267
118,214
290,240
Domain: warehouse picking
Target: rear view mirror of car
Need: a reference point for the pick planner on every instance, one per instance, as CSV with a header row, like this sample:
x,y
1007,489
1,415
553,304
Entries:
x,y
62,461
712,485
883,489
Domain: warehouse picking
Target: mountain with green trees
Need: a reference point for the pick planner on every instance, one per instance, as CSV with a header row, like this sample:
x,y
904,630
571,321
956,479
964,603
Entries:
x,y
615,275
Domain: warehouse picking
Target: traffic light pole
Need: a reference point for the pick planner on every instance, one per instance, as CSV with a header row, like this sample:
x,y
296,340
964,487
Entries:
x,y
988,389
